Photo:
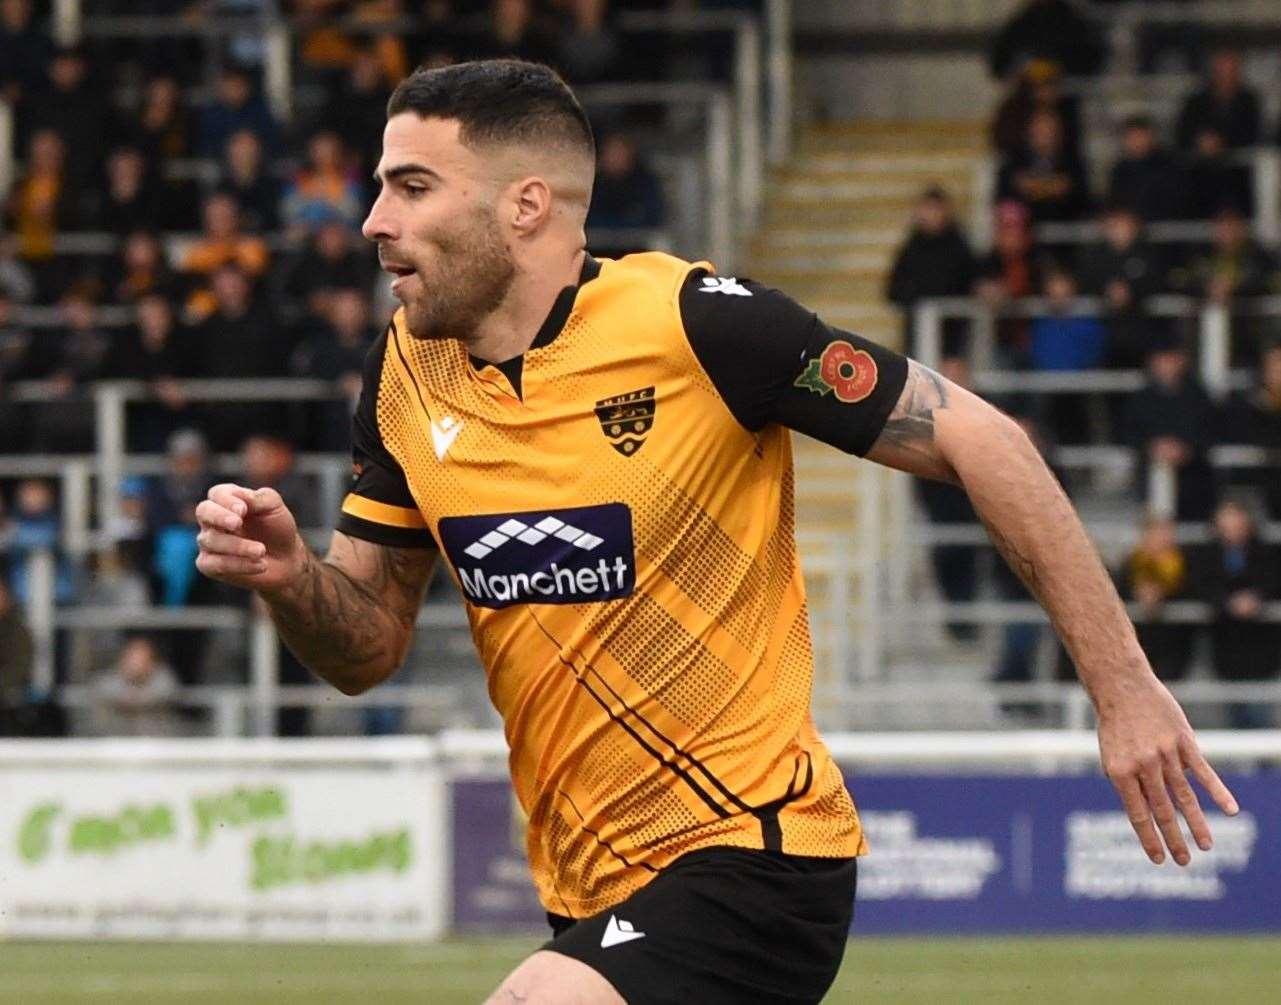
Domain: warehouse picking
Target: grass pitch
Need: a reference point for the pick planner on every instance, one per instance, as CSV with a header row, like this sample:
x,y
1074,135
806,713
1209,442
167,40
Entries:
x,y
993,971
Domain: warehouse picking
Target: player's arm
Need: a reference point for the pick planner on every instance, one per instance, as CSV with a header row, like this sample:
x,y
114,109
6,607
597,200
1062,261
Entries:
x,y
349,616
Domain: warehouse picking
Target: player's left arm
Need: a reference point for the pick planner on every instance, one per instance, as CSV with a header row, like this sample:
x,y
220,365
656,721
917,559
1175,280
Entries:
x,y
939,430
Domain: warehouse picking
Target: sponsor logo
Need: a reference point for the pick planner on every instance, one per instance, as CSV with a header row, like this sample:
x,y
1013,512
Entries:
x,y
724,284
444,434
626,419
617,932
566,556
848,372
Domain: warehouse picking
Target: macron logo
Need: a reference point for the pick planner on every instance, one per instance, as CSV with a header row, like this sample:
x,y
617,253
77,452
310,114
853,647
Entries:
x,y
443,435
617,932
514,530
724,284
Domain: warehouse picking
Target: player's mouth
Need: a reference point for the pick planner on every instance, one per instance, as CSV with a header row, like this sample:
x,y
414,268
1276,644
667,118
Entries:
x,y
402,273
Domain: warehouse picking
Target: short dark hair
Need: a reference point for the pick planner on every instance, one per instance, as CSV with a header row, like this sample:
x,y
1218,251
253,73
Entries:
x,y
497,101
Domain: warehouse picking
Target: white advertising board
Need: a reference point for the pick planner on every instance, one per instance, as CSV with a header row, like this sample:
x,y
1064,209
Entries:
x,y
261,847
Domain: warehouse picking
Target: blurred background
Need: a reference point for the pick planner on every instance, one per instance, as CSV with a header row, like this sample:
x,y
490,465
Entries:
x,y
1073,208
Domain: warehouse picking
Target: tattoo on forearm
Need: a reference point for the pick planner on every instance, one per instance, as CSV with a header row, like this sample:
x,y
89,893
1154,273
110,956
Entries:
x,y
1023,566
907,439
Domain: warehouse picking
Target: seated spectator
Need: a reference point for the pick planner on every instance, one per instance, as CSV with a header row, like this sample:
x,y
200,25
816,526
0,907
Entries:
x,y
1009,272
152,351
236,106
75,107
1240,579
1254,418
1125,270
333,259
627,192
1146,179
116,582
1052,30
935,261
325,191
359,109
141,270
1044,175
137,696
246,178
1155,573
163,128
37,526
15,364
25,49
1212,180
335,351
588,46
267,461
17,658
1037,88
1223,104
41,204
127,201
1171,421
70,357
222,244
1065,339
514,32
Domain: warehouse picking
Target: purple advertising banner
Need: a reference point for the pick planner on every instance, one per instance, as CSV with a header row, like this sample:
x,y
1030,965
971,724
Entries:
x,y
966,854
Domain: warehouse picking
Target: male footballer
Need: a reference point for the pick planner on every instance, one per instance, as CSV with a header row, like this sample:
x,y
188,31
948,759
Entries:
x,y
599,453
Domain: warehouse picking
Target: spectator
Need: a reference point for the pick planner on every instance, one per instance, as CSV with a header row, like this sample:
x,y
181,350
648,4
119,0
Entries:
x,y
331,260
1254,418
151,351
245,177
25,51
36,527
235,107
70,357
1045,176
268,461
1037,88
1146,179
1125,270
336,352
1154,574
325,191
41,203
1064,339
137,696
359,110
627,192
116,582
1052,30
222,244
513,32
1223,104
1009,272
935,261
128,201
163,129
588,46
1240,579
1212,181
1170,421
15,363
142,270
74,107
17,657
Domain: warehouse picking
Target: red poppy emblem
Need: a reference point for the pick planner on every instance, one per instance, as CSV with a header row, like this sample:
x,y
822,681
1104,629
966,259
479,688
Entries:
x,y
850,372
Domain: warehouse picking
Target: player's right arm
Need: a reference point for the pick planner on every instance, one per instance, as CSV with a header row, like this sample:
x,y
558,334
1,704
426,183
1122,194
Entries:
x,y
349,616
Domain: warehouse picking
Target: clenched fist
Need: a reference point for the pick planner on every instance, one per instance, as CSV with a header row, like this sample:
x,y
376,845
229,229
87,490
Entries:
x,y
248,538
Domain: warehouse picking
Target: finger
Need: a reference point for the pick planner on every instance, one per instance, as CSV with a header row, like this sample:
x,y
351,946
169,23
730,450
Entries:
x,y
1185,799
236,498
223,566
1153,784
212,514
264,500
1136,808
1209,778
216,542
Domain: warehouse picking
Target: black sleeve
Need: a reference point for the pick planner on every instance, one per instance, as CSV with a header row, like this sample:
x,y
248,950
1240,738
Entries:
x,y
772,360
379,506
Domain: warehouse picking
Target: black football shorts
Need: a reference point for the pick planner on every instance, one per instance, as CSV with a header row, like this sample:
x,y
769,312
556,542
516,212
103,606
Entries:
x,y
722,926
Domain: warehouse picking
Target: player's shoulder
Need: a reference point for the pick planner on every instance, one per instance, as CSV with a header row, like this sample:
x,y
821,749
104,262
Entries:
x,y
657,272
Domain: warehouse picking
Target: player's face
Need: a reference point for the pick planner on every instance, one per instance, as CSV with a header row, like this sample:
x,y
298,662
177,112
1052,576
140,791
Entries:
x,y
437,230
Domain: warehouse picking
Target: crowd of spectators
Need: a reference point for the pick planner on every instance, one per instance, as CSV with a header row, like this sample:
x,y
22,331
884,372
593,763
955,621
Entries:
x,y
177,228
1093,309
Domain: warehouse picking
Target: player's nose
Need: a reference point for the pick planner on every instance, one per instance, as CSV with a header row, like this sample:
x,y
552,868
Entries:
x,y
378,225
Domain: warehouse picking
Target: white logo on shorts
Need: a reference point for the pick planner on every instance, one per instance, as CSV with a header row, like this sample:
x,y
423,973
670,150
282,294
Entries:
x,y
618,932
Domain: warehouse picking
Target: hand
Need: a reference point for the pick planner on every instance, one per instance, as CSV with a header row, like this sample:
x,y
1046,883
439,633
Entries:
x,y
1147,746
248,538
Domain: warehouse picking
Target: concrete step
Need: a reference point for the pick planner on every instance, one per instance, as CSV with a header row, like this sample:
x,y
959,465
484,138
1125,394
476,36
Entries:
x,y
862,188
836,163
782,238
879,260
868,213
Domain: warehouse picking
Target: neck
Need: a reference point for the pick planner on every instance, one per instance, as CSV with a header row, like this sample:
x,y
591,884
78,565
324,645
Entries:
x,y
513,325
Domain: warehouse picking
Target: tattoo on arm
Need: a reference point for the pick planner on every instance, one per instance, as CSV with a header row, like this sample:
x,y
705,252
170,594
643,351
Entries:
x,y
1023,566
907,439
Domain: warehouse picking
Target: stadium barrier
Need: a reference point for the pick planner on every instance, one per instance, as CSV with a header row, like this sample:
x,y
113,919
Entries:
x,y
408,838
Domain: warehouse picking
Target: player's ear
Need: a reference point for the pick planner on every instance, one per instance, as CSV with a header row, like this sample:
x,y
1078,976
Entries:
x,y
531,205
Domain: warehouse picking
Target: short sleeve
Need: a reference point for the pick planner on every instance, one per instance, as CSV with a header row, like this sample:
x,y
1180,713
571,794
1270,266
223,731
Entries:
x,y
772,360
379,506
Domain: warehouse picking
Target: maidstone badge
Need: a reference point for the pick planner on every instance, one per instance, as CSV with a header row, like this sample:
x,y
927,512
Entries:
x,y
626,419
849,372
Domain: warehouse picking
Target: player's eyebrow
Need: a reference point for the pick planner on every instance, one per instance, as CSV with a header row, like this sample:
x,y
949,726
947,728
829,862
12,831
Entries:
x,y
402,170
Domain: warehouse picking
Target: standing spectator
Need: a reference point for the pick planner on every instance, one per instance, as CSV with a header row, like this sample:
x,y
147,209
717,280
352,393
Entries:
x,y
1009,272
237,106
935,261
1048,29
127,201
1146,179
1224,104
137,696
1037,88
1064,339
1212,180
246,178
331,260
627,192
1154,574
1240,579
1125,270
73,106
1171,421
1045,175
325,191
222,244
588,46
1255,419
17,657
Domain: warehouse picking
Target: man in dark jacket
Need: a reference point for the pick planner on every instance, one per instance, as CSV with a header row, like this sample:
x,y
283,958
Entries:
x,y
1048,29
1147,178
1224,103
935,261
